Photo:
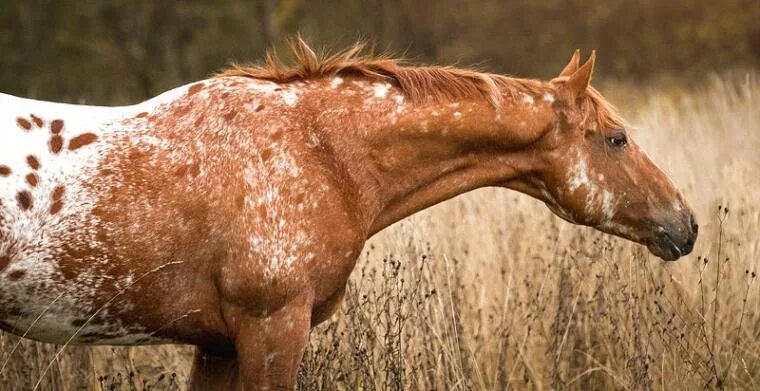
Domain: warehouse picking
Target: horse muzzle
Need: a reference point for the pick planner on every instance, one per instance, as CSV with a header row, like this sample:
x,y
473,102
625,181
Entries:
x,y
674,240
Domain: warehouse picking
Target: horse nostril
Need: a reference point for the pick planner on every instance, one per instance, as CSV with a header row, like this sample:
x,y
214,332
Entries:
x,y
686,249
694,225
692,238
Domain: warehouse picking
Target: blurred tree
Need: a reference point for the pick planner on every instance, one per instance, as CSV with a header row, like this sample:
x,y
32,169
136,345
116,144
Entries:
x,y
120,51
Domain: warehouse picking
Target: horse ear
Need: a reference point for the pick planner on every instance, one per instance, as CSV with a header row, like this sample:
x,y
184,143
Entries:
x,y
579,81
572,66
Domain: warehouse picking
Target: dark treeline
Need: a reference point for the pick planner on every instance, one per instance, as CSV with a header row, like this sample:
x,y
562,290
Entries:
x,y
119,51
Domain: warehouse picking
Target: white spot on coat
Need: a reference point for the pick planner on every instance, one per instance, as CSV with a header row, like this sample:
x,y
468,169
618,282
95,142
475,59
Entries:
x,y
608,205
335,82
290,98
381,90
579,175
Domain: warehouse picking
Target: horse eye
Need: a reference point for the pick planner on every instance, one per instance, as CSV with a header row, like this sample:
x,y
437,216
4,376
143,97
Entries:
x,y
617,140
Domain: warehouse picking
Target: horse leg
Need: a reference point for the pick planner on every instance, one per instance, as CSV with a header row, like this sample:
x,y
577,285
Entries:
x,y
212,372
268,349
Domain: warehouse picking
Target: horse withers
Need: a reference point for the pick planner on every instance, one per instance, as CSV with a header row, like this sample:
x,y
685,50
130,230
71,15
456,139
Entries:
x,y
229,213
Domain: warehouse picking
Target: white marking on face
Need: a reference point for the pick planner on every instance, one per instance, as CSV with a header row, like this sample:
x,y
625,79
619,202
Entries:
x,y
601,201
608,205
457,114
547,97
579,174
528,99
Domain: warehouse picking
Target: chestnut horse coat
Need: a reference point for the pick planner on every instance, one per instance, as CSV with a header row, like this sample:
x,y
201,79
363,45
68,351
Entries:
x,y
126,225
229,213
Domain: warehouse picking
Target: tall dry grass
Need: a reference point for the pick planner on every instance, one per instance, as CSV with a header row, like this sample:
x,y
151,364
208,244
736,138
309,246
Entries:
x,y
490,291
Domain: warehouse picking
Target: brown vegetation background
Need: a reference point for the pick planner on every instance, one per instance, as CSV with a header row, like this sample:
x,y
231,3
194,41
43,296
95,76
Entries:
x,y
489,290
119,51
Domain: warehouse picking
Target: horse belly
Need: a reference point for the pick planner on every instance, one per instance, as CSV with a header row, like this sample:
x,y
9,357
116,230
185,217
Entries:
x,y
40,307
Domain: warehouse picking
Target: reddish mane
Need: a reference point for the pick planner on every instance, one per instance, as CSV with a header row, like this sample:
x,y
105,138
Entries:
x,y
418,83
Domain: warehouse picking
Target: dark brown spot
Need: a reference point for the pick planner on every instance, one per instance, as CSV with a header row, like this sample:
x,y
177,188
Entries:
x,y
16,274
33,162
56,207
230,116
5,171
56,126
82,140
195,169
142,115
4,261
24,199
266,154
136,154
23,123
181,172
57,198
195,88
58,193
56,144
32,179
37,121
261,210
259,108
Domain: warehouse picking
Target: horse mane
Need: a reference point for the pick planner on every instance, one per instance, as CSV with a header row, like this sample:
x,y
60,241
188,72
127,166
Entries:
x,y
418,83
607,115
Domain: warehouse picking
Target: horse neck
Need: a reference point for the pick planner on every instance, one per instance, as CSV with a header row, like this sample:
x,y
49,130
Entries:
x,y
404,158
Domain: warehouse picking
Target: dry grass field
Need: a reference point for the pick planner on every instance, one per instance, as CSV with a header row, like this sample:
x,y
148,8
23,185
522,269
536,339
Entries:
x,y
491,291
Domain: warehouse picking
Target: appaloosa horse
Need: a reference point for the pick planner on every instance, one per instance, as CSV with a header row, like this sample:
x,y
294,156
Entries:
x,y
229,213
